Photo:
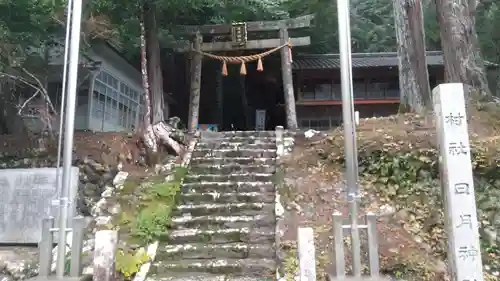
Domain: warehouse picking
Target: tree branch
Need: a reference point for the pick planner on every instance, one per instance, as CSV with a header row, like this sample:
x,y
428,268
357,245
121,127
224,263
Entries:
x,y
42,88
26,102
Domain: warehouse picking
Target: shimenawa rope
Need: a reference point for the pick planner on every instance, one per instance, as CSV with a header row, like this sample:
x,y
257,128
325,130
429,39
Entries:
x,y
244,59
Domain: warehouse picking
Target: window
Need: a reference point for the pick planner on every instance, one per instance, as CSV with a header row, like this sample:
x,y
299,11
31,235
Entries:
x,y
376,90
323,92
392,90
359,89
337,91
114,101
319,124
317,89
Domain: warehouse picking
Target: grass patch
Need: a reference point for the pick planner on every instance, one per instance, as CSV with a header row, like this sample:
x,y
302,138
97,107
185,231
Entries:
x,y
149,218
128,262
147,209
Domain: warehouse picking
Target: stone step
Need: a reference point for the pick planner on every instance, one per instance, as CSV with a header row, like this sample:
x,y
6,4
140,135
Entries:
x,y
252,267
247,139
223,222
232,168
230,197
231,153
223,209
261,177
218,236
227,186
214,251
204,277
234,160
236,145
248,133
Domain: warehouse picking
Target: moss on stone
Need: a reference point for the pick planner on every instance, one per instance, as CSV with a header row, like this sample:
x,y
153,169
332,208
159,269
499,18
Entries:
x,y
290,264
148,218
145,217
128,262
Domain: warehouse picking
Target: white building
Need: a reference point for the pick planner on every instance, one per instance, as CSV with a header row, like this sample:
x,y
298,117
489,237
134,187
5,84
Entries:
x,y
110,90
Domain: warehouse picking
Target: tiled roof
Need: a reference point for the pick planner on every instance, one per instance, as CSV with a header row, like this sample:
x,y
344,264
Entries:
x,y
359,60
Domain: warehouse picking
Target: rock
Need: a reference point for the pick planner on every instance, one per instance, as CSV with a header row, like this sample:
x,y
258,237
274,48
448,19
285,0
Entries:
x,y
5,277
120,178
310,133
114,208
18,263
386,210
103,220
490,234
107,193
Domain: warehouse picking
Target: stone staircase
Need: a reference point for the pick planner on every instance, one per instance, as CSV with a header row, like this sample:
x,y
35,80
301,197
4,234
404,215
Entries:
x,y
224,225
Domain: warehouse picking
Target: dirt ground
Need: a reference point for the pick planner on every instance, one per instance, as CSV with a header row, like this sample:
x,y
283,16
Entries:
x,y
106,148
313,189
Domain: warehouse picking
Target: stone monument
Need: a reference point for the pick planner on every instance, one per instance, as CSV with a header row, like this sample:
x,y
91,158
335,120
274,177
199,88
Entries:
x,y
307,254
457,183
27,197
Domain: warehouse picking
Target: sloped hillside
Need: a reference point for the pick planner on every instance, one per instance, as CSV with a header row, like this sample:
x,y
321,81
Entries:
x,y
400,180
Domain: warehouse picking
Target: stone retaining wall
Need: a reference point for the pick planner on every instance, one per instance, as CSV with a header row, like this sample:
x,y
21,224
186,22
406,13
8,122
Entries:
x,y
95,200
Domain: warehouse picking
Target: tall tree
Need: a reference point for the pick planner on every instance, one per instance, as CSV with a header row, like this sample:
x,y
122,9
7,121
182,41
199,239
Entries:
x,y
160,112
414,85
461,51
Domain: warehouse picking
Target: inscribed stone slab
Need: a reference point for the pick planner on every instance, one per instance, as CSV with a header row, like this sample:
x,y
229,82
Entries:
x,y
307,254
26,198
458,184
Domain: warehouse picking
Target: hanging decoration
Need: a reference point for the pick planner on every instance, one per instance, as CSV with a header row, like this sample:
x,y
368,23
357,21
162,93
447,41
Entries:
x,y
245,59
224,68
259,65
243,69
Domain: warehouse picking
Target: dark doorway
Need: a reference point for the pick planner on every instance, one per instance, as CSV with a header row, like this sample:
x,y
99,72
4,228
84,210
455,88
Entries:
x,y
244,94
234,100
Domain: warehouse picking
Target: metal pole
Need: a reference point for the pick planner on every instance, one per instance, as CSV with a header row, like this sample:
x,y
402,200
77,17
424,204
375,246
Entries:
x,y
63,95
349,129
69,125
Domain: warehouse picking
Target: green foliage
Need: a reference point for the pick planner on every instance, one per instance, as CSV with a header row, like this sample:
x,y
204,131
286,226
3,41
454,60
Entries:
x,y
408,179
290,264
128,262
26,29
157,202
147,217
29,22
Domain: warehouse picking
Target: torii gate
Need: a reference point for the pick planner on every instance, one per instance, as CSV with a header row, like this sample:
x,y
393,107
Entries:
x,y
238,33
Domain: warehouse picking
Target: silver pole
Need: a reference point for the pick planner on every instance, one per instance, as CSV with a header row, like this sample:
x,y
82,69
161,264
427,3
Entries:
x,y
63,96
350,145
69,125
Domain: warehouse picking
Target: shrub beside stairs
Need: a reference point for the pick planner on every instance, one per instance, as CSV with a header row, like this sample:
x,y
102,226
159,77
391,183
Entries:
x,y
224,226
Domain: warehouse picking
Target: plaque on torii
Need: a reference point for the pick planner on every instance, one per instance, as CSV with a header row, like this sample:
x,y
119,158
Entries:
x,y
239,34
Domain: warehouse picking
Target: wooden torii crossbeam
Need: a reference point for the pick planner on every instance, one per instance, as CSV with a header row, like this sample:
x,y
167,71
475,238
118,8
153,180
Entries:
x,y
253,26
239,32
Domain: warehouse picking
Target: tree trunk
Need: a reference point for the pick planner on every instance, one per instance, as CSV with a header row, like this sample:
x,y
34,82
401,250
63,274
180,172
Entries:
x,y
286,73
463,62
219,90
194,100
161,131
414,85
145,125
154,64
